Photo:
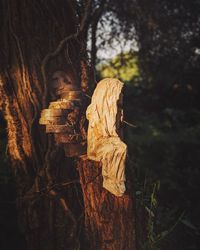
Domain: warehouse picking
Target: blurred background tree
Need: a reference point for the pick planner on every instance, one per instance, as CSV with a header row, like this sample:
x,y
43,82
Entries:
x,y
155,48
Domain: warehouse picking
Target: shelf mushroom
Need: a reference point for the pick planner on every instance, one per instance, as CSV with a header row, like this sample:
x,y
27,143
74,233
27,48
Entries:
x,y
105,115
64,116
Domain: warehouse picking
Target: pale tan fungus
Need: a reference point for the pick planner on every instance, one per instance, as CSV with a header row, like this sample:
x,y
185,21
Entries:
x,y
104,143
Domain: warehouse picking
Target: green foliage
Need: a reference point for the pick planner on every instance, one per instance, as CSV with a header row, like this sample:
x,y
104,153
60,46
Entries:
x,y
164,149
165,146
123,66
167,34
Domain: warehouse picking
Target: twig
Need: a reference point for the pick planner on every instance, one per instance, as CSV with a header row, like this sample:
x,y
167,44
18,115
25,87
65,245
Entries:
x,y
84,21
129,124
44,191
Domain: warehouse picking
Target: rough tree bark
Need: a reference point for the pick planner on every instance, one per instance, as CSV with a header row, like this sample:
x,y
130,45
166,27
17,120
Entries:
x,y
109,220
51,206
45,179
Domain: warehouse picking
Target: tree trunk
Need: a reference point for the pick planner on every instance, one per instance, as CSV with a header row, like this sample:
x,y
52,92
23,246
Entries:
x,y
30,30
49,199
109,220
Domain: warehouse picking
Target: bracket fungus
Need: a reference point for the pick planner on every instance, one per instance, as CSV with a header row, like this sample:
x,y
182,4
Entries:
x,y
64,116
105,115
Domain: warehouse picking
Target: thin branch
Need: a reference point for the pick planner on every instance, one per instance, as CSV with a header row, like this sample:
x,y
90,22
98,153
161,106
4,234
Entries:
x,y
46,190
129,124
85,19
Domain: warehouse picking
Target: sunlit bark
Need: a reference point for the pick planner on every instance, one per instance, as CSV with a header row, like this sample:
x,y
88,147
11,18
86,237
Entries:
x,y
49,199
31,30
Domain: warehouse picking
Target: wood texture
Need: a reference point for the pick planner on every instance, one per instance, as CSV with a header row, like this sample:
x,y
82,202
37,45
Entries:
x,y
65,104
109,220
59,129
54,112
30,31
54,120
68,138
75,149
71,95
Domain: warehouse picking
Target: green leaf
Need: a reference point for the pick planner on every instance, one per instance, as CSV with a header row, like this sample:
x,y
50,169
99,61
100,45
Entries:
x,y
188,224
